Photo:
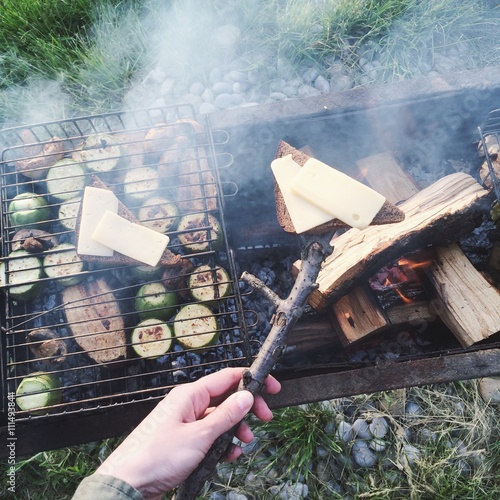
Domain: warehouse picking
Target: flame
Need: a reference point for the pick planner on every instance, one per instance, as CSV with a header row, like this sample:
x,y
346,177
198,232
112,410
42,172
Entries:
x,y
403,297
411,264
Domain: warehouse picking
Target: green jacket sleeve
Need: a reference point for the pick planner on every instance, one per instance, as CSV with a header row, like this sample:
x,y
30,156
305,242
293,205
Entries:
x,y
103,487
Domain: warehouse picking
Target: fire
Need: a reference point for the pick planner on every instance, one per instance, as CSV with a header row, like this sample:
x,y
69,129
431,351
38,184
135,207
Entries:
x,y
405,262
403,297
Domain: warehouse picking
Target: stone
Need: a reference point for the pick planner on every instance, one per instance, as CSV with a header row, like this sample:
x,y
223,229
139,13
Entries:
x,y
361,429
412,453
307,90
379,427
223,101
339,83
377,444
167,86
208,95
413,409
196,88
363,455
237,76
310,74
489,389
233,495
322,84
344,432
222,88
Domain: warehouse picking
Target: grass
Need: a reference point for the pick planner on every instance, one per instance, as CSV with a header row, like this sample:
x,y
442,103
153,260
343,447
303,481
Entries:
x,y
96,52
456,433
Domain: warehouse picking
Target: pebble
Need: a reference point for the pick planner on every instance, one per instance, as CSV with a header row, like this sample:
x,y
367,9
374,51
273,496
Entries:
x,y
379,427
197,88
344,432
322,84
222,88
413,409
363,455
223,101
489,389
361,429
233,495
378,444
412,453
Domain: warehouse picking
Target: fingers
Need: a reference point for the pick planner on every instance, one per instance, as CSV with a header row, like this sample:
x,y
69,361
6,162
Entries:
x,y
229,413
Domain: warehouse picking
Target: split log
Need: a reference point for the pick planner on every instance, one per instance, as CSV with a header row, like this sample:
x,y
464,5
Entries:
x,y
357,315
464,300
439,214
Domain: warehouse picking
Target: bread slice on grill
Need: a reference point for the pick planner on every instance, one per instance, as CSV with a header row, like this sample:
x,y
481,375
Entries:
x,y
168,258
388,214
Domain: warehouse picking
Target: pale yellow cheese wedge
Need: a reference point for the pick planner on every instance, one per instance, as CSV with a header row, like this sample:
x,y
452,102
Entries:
x,y
337,194
95,202
304,215
130,239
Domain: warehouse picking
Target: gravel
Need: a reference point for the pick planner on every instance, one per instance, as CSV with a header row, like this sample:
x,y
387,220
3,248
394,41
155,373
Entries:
x,y
260,78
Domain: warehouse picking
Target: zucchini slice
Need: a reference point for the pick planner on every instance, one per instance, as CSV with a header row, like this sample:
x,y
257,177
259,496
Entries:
x,y
200,233
38,391
65,180
29,210
195,327
153,300
138,183
151,338
24,271
100,153
68,213
64,264
146,272
158,214
207,284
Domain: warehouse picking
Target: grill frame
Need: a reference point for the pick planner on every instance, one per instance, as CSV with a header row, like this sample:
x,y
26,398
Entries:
x,y
134,380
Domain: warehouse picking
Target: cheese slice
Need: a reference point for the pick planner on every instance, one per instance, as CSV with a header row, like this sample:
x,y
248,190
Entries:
x,y
130,239
337,194
95,202
304,215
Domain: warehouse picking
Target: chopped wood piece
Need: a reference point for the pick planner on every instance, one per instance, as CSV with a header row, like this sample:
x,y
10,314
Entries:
x,y
438,214
383,173
411,313
358,315
465,301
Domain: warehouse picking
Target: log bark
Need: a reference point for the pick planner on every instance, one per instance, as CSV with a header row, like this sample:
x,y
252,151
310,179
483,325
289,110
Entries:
x,y
438,214
288,311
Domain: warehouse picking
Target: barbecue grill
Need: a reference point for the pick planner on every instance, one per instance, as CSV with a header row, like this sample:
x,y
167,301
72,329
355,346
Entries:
x,y
89,386
236,147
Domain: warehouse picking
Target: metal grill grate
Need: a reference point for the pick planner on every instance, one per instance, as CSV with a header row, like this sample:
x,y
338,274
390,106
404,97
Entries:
x,y
188,164
489,133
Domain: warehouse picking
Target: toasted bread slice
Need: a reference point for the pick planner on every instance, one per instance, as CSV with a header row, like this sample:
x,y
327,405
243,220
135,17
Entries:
x,y
388,214
167,259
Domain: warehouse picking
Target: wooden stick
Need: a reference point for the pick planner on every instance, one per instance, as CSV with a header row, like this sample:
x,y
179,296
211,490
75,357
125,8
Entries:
x,y
288,311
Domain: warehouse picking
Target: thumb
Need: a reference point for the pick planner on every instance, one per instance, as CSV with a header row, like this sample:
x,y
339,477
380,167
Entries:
x,y
230,412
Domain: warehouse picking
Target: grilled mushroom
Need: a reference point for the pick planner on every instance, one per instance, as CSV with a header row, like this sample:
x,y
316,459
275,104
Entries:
x,y
33,240
47,346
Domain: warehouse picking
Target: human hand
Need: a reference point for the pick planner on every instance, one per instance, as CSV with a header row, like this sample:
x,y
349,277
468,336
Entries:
x,y
174,438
